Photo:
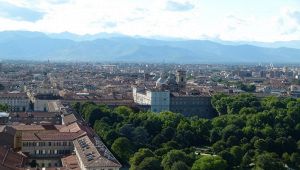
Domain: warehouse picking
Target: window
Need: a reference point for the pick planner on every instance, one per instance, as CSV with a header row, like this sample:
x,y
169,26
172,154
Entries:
x,y
51,152
25,144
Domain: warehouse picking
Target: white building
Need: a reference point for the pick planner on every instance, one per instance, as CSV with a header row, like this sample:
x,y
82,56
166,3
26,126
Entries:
x,y
17,102
158,100
41,102
295,91
186,104
43,97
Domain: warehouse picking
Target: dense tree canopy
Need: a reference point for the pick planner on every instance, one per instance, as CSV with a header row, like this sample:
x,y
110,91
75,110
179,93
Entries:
x,y
249,133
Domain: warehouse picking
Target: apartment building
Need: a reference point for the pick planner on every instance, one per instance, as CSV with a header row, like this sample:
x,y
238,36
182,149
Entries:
x,y
17,102
47,148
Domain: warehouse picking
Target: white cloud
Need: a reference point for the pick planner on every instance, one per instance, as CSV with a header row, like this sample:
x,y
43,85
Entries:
x,y
288,23
187,19
16,12
176,6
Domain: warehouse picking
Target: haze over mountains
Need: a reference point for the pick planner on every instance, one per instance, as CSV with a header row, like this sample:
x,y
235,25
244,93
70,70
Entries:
x,y
22,45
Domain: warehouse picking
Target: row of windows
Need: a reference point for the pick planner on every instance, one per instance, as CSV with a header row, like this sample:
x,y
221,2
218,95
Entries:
x,y
190,110
37,118
49,165
13,99
15,103
52,152
16,108
56,143
34,118
191,102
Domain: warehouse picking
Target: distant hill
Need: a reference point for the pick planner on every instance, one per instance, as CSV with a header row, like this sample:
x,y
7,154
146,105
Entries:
x,y
278,44
22,45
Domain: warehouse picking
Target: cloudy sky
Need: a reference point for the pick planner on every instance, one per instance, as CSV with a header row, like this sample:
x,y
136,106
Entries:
x,y
248,20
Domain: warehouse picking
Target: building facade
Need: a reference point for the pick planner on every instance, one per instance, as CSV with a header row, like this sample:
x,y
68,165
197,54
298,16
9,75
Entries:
x,y
188,105
158,100
45,146
17,102
48,144
41,101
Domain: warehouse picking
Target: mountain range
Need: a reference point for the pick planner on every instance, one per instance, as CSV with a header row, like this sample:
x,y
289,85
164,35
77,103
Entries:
x,y
24,45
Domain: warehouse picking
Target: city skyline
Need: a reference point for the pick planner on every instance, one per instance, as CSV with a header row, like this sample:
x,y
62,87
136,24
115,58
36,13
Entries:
x,y
232,20
149,85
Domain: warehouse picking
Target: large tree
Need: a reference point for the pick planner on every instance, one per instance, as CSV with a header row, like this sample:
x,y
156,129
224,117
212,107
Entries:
x,y
175,156
139,157
209,162
180,166
266,161
123,148
149,163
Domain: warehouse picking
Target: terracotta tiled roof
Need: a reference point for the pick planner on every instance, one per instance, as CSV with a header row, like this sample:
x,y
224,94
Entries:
x,y
10,159
70,162
69,119
37,127
74,127
51,136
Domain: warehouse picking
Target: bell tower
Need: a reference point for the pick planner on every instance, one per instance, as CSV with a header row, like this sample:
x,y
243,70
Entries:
x,y
181,77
